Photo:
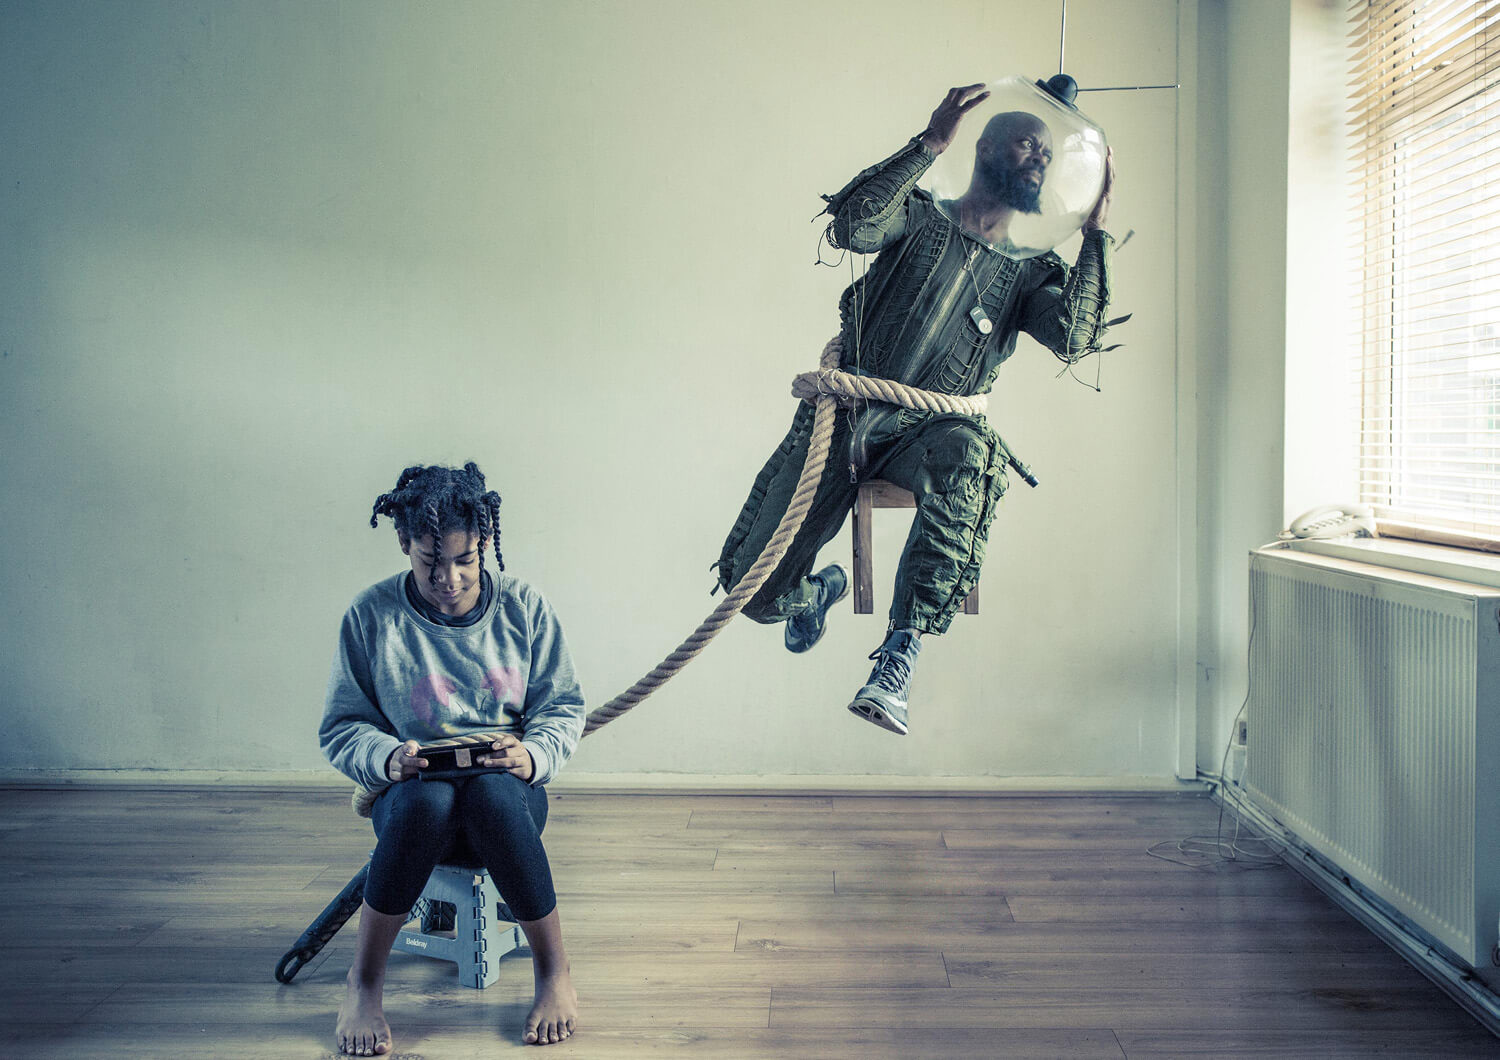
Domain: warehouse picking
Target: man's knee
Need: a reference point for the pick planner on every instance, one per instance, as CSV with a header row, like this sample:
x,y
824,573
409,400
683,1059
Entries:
x,y
959,460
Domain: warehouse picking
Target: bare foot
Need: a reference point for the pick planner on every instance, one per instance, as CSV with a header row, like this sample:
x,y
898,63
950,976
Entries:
x,y
555,1013
362,1029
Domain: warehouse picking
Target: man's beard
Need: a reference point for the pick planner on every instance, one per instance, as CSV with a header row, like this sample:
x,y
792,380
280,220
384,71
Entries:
x,y
1014,189
1018,192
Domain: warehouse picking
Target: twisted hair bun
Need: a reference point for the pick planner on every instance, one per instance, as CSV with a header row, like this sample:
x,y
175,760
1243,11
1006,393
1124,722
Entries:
x,y
440,501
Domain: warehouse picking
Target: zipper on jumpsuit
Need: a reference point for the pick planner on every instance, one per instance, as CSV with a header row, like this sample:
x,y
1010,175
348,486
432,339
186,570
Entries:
x,y
950,296
933,324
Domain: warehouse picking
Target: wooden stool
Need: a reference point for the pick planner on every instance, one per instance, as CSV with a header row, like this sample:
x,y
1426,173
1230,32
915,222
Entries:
x,y
878,493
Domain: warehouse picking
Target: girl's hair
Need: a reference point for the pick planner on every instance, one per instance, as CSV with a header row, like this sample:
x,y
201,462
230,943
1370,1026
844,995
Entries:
x,y
440,501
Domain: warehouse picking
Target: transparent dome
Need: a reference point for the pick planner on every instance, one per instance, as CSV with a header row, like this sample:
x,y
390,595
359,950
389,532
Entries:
x,y
996,181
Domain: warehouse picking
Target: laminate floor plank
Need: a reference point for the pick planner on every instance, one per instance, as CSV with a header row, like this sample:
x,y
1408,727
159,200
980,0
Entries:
x,y
1060,803
253,1039
1222,909
888,841
1023,880
1012,937
98,966
199,899
52,1003
1082,839
876,934
1438,1043
1001,819
100,874
592,866
1119,1007
859,910
689,970
931,861
1181,973
703,883
36,928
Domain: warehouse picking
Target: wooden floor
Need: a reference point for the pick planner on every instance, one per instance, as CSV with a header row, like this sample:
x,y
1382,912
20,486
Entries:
x,y
147,924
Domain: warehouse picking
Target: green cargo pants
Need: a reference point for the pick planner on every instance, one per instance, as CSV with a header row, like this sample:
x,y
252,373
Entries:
x,y
953,464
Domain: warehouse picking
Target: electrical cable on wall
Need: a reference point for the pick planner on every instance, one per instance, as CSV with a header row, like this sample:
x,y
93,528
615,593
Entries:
x,y
1211,853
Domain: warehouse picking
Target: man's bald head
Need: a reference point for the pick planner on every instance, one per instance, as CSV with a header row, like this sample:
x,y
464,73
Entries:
x,y
1015,123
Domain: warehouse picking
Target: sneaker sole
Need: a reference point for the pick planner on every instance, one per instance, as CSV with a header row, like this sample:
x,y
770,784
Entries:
x,y
872,713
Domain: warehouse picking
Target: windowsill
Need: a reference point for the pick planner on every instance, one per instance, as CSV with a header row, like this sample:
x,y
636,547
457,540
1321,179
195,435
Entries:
x,y
1439,561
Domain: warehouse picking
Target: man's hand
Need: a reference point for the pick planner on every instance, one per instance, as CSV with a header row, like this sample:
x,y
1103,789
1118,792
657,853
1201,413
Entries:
x,y
1100,214
944,121
509,754
404,763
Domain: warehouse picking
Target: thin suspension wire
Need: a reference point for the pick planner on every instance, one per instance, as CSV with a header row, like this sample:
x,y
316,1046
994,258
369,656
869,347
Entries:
x,y
1062,51
1062,37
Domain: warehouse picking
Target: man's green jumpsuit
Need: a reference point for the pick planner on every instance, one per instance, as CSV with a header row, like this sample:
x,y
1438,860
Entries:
x,y
910,318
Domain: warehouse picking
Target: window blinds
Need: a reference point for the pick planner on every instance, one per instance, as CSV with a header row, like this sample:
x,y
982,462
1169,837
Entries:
x,y
1425,113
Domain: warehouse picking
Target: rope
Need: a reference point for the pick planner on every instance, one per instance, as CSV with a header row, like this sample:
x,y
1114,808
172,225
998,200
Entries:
x,y
755,577
830,388
849,388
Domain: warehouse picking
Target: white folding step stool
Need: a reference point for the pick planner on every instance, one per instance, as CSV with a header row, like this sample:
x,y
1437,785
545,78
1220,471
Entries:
x,y
481,930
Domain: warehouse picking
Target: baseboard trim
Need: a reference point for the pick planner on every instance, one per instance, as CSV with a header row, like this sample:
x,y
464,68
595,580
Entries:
x,y
626,783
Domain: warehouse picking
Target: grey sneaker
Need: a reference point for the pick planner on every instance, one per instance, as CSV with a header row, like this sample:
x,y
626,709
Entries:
x,y
805,628
883,698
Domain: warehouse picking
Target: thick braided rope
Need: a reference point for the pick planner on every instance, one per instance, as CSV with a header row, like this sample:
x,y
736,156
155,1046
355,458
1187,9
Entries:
x,y
755,577
831,388
850,388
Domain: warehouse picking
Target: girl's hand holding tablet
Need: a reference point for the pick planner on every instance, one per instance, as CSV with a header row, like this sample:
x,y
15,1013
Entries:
x,y
404,762
509,754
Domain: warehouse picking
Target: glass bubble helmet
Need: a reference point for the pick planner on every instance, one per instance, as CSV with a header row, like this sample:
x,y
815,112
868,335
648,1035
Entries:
x,y
1072,181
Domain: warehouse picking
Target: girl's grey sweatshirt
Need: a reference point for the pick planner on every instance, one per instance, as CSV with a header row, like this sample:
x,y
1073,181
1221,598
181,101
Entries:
x,y
397,677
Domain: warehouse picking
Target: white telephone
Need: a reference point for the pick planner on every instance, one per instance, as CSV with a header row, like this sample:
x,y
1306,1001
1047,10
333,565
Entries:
x,y
1334,520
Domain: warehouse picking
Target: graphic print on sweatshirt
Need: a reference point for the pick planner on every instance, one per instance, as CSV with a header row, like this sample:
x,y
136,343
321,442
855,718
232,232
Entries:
x,y
438,701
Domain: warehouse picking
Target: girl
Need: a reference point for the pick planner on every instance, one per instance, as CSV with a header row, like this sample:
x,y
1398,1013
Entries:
x,y
438,651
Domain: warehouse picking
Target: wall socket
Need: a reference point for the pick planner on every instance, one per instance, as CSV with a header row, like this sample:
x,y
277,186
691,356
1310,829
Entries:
x,y
1242,732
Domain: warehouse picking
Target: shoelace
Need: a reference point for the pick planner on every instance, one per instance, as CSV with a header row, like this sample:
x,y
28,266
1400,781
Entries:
x,y
805,620
891,671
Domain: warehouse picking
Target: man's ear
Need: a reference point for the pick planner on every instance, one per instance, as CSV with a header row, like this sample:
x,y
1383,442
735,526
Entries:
x,y
405,543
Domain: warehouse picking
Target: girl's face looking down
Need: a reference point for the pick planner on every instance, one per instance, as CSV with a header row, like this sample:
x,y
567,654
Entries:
x,y
452,586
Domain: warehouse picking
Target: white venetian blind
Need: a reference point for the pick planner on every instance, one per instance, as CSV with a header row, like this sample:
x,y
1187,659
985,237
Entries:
x,y
1425,95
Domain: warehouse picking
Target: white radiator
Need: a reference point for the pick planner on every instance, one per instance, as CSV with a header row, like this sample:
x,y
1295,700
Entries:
x,y
1374,734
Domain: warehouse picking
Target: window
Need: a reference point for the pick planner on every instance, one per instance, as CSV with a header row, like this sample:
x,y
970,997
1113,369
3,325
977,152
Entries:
x,y
1425,97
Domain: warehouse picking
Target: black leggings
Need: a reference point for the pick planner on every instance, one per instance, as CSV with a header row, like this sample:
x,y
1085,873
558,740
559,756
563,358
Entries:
x,y
493,818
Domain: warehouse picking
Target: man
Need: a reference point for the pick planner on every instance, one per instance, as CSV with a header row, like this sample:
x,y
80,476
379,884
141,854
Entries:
x,y
938,309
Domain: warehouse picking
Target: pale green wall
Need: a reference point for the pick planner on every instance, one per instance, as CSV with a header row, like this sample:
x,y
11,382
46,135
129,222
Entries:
x,y
1273,400
258,257
1242,244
